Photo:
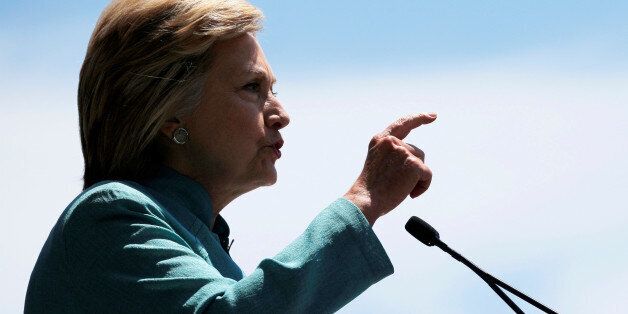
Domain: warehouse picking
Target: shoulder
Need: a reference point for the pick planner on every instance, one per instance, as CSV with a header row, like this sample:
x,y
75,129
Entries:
x,y
109,199
110,194
113,191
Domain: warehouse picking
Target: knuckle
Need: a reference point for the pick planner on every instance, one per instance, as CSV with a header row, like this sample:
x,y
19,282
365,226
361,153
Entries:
x,y
400,150
400,121
374,140
428,172
389,140
377,138
412,163
405,118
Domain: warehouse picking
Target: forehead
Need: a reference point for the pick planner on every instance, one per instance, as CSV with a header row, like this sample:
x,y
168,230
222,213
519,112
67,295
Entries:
x,y
241,56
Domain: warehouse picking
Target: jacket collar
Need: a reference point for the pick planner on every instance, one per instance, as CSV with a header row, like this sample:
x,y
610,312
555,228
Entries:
x,y
191,195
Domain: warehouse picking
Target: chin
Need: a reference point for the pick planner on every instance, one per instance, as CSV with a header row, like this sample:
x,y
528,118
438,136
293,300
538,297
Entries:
x,y
272,179
265,176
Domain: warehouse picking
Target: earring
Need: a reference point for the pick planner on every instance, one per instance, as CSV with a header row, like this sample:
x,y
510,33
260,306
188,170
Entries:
x,y
180,136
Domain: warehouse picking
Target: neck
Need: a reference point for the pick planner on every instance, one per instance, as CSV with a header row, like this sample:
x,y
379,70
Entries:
x,y
221,190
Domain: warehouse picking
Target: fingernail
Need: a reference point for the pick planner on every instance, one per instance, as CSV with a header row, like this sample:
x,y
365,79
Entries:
x,y
432,114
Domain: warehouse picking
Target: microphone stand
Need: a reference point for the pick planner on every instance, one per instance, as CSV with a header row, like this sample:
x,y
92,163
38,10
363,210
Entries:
x,y
429,236
494,282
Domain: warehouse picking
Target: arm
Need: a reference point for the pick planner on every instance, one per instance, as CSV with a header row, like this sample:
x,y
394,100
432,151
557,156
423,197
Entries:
x,y
123,258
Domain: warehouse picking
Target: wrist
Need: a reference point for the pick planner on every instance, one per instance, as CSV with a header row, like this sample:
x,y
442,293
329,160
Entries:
x,y
363,202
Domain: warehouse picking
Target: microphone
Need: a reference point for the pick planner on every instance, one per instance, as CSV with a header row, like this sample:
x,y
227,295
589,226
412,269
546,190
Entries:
x,y
422,231
425,233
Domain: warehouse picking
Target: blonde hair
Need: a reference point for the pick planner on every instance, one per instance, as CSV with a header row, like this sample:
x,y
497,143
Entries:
x,y
147,62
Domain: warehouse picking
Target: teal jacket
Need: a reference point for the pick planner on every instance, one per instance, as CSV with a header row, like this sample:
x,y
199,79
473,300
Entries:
x,y
128,247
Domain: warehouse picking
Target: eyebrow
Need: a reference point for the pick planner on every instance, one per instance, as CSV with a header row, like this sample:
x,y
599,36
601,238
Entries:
x,y
260,72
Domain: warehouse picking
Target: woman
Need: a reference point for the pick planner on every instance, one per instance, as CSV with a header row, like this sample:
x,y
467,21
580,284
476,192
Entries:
x,y
178,118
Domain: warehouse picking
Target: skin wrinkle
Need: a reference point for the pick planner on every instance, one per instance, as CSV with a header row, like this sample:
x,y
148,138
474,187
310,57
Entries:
x,y
232,127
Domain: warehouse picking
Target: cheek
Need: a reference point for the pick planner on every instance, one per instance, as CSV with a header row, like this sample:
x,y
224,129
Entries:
x,y
233,129
244,133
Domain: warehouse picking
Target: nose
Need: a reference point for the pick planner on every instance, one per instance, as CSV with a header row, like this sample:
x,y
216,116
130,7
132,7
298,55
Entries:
x,y
277,117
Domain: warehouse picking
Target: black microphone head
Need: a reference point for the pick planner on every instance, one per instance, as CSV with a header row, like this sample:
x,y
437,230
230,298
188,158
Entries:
x,y
422,231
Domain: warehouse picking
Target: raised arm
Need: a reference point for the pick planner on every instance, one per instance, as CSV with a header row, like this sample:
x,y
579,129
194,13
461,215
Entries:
x,y
124,257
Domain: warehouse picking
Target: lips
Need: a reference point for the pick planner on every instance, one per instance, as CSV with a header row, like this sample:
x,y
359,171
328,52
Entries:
x,y
276,146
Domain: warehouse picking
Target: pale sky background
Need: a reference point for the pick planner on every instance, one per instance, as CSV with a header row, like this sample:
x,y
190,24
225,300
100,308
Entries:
x,y
528,153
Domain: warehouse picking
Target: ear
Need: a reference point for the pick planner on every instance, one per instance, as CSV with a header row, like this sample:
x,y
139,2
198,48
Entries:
x,y
169,126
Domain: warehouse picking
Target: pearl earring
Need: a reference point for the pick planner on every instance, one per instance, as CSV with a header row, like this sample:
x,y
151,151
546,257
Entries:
x,y
180,136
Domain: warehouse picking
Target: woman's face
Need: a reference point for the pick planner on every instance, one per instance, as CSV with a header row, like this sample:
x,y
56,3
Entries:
x,y
234,133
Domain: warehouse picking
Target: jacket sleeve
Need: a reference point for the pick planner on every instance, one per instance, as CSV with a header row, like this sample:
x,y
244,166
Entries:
x,y
122,258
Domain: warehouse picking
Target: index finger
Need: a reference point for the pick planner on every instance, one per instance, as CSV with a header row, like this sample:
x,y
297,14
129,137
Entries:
x,y
402,127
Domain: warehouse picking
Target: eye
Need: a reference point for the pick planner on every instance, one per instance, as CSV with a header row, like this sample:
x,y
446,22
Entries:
x,y
253,87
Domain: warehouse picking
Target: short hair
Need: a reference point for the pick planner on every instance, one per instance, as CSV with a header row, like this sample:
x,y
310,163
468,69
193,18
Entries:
x,y
147,61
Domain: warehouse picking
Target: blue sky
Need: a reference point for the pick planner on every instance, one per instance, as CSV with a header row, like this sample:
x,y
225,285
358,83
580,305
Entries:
x,y
425,33
528,151
345,35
